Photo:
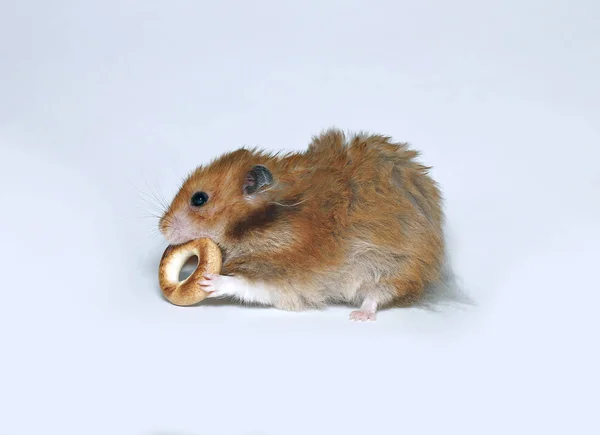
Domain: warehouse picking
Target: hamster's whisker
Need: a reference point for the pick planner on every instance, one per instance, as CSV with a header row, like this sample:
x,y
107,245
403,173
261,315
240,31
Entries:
x,y
160,202
161,197
151,201
151,216
289,205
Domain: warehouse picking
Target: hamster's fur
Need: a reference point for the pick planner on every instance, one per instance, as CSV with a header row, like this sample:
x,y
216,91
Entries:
x,y
352,219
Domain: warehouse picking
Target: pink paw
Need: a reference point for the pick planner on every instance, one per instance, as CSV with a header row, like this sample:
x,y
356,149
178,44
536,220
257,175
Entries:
x,y
362,316
211,283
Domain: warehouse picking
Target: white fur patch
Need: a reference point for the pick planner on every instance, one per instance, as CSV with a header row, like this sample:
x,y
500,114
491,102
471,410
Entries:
x,y
238,288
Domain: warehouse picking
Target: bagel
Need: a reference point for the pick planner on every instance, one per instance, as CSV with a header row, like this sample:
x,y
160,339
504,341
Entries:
x,y
188,291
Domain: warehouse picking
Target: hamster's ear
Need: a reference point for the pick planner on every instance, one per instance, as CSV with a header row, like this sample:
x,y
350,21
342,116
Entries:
x,y
258,177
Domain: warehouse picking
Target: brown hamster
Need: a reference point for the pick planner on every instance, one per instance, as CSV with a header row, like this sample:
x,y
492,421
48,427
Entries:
x,y
352,219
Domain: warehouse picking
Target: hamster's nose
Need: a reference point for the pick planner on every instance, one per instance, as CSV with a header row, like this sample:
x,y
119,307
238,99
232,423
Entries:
x,y
163,226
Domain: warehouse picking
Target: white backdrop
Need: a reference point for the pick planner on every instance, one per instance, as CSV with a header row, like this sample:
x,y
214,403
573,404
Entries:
x,y
101,100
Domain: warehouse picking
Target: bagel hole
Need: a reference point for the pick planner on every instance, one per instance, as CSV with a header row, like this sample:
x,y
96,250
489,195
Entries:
x,y
188,268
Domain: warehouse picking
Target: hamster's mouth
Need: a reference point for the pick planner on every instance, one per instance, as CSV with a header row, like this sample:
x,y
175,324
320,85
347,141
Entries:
x,y
181,240
179,237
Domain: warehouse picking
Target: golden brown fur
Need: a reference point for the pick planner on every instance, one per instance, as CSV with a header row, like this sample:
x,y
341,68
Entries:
x,y
345,219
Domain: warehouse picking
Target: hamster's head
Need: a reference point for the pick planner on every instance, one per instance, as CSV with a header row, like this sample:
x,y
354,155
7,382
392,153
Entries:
x,y
216,196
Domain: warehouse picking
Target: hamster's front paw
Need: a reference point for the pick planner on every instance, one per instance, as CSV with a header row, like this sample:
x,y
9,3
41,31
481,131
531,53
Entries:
x,y
214,284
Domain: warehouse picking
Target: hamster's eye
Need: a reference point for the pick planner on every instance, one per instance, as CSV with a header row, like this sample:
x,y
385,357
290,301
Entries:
x,y
199,199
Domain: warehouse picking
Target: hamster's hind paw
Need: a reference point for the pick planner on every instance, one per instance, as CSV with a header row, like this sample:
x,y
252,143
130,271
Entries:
x,y
362,316
367,311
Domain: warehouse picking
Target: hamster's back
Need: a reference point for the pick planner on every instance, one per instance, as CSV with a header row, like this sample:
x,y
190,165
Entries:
x,y
381,174
394,215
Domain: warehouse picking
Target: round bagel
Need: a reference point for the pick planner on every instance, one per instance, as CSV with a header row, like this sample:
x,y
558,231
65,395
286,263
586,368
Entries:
x,y
188,291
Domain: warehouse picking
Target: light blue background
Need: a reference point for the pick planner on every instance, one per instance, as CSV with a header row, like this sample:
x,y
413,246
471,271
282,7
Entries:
x,y
99,100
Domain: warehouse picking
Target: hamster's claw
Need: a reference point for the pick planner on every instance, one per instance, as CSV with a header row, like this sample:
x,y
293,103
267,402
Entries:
x,y
362,316
366,312
210,284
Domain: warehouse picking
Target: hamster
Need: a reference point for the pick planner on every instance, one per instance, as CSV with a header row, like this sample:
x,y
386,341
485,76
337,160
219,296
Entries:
x,y
353,219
